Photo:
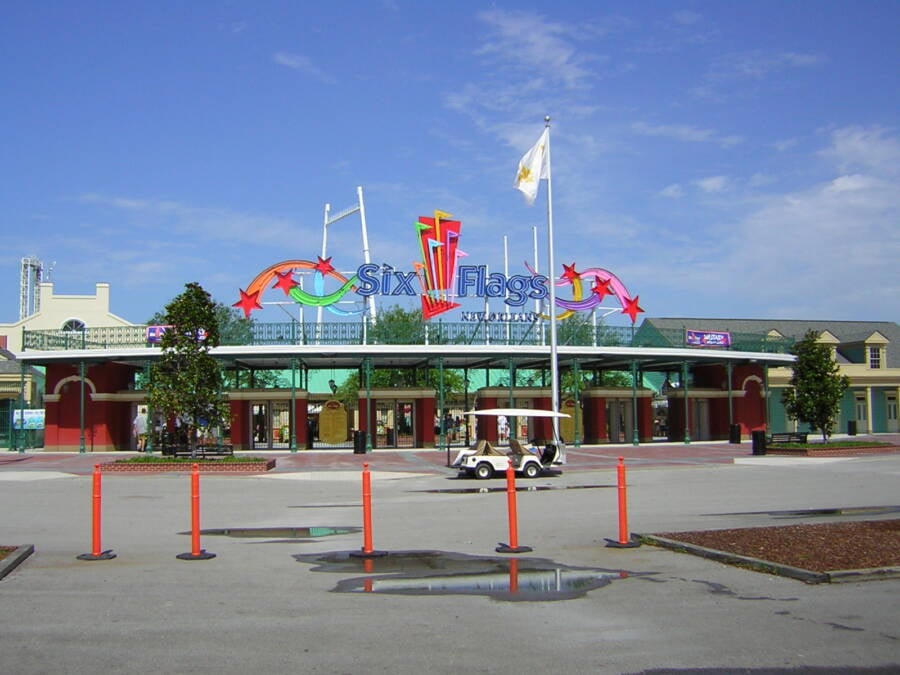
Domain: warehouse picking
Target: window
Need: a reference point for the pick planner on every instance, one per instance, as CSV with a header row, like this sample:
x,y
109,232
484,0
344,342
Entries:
x,y
73,326
875,357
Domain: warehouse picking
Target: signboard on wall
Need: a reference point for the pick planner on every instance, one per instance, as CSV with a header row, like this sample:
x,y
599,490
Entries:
x,y
28,419
707,338
333,422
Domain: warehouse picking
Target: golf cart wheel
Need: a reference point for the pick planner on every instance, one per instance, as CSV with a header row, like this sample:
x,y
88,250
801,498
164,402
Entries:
x,y
531,470
484,470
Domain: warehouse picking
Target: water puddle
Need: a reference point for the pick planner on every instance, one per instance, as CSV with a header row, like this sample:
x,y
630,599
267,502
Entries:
x,y
443,573
527,488
283,534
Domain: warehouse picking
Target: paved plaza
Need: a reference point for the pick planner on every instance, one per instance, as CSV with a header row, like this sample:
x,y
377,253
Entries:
x,y
284,595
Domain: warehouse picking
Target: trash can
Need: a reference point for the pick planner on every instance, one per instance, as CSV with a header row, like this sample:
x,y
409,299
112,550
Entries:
x,y
851,427
359,442
759,442
734,433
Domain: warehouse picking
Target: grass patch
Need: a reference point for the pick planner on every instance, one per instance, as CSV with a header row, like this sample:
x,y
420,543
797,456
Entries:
x,y
6,550
168,459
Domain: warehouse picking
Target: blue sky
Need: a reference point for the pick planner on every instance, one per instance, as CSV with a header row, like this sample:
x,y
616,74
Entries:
x,y
722,159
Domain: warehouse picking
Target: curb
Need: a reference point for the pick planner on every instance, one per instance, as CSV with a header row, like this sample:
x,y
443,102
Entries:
x,y
14,559
767,566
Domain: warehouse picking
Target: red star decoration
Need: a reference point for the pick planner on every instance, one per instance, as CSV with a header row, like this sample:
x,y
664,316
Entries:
x,y
285,281
248,302
632,307
601,288
570,273
324,266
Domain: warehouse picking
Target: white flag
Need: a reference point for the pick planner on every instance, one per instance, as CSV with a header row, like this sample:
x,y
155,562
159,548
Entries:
x,y
533,167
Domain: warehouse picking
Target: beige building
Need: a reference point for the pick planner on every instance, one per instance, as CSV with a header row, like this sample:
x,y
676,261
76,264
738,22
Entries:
x,y
70,313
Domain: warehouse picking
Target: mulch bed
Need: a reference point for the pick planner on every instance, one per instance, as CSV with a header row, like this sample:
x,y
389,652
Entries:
x,y
822,548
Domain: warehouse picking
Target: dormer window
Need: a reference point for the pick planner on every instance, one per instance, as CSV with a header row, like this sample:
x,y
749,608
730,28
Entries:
x,y
874,358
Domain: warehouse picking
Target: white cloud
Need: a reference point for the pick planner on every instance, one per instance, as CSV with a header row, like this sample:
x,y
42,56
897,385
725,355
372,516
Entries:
x,y
686,133
674,191
302,64
865,149
532,43
713,184
759,63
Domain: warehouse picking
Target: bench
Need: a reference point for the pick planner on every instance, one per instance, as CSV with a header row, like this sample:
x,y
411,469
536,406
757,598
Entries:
x,y
204,452
788,437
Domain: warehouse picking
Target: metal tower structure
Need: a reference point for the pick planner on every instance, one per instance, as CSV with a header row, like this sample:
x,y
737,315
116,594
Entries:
x,y
29,287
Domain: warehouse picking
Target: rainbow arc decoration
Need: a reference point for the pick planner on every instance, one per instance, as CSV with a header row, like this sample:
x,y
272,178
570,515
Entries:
x,y
250,299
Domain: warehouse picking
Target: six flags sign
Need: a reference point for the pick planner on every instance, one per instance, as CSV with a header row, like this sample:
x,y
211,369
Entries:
x,y
438,279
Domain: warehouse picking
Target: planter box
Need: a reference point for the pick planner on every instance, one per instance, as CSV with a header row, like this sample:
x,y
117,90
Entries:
x,y
831,452
203,466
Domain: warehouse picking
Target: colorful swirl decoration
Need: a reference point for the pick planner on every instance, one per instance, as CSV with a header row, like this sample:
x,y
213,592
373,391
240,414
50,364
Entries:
x,y
283,273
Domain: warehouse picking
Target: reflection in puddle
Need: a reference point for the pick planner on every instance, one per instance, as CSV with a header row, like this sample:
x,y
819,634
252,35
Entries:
x,y
520,488
442,573
288,533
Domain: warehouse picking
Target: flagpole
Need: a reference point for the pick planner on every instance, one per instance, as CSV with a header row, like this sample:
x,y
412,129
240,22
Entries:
x,y
551,275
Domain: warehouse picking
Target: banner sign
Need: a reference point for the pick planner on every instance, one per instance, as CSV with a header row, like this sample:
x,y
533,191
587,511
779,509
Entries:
x,y
28,419
707,338
155,333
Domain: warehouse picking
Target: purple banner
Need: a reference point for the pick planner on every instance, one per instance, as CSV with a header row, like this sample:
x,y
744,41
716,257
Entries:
x,y
707,338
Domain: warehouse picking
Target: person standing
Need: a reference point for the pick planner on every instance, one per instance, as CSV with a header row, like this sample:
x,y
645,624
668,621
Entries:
x,y
139,429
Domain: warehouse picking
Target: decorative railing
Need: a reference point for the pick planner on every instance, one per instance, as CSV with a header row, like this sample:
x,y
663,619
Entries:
x,y
438,332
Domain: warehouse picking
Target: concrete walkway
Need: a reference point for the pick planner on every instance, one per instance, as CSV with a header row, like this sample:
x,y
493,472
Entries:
x,y
263,605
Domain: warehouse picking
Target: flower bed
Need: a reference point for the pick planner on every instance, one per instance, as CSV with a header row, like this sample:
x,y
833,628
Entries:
x,y
209,466
823,450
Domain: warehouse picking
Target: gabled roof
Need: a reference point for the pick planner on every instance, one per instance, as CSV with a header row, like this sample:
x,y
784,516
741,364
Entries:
x,y
847,332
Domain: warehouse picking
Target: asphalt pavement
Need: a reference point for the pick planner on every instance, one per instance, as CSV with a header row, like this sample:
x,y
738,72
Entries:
x,y
287,590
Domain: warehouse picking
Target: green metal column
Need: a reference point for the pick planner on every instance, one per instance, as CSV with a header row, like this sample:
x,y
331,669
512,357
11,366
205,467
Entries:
x,y
513,423
19,434
293,415
151,427
442,432
729,369
684,389
576,373
634,406
367,368
81,448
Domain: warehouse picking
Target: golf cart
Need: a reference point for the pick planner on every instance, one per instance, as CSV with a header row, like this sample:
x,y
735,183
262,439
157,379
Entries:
x,y
484,460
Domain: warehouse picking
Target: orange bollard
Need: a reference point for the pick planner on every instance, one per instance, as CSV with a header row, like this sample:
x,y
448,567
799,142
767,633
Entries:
x,y
367,550
196,552
624,539
513,545
96,501
367,509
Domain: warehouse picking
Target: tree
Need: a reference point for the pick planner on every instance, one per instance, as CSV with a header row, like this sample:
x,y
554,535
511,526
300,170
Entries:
x,y
186,382
816,386
398,326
